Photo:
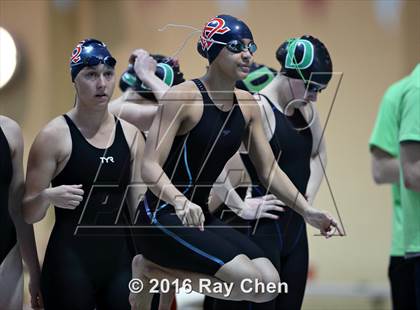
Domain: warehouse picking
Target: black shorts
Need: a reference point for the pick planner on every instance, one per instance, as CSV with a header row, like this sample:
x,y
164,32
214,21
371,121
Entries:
x,y
401,273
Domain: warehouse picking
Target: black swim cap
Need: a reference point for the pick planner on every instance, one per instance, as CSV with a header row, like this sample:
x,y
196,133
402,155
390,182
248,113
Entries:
x,y
305,58
167,70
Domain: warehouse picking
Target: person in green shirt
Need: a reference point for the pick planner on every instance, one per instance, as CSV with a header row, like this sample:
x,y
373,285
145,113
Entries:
x,y
384,148
409,141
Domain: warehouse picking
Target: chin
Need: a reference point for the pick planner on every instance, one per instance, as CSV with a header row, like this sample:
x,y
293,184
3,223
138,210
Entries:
x,y
241,75
102,103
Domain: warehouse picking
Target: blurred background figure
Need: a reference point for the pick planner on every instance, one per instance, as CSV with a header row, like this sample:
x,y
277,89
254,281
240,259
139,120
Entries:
x,y
408,119
16,237
385,151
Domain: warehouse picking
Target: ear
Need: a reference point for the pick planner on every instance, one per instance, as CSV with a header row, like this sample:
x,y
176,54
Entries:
x,y
75,88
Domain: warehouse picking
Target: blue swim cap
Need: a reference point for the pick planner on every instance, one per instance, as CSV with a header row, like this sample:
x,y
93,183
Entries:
x,y
88,53
301,57
222,28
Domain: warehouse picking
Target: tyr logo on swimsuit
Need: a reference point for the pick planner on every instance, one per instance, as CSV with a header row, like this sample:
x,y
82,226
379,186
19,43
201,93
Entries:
x,y
107,160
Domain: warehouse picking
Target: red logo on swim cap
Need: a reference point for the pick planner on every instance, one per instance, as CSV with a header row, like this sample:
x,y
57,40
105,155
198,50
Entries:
x,y
214,26
75,55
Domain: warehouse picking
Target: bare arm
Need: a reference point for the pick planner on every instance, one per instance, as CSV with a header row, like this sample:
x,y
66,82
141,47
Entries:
x,y
137,186
409,138
274,179
42,166
24,231
140,115
145,68
410,164
385,167
318,161
224,192
170,120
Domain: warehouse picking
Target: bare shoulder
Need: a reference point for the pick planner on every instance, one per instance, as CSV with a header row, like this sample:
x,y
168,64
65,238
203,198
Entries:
x,y
247,103
54,138
131,132
185,101
54,129
13,133
186,91
243,95
10,127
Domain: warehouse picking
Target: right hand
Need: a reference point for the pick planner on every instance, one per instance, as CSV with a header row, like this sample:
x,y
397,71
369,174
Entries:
x,y
35,292
323,221
191,215
144,65
65,196
260,207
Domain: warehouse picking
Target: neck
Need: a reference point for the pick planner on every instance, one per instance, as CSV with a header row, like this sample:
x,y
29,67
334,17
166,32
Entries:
x,y
278,91
218,84
90,118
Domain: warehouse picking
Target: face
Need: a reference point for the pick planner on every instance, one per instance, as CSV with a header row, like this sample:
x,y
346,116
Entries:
x,y
95,84
306,91
235,65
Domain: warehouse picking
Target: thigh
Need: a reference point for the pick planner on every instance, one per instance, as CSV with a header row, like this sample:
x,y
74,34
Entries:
x,y
294,271
266,236
221,304
11,280
265,233
115,296
191,249
65,284
242,242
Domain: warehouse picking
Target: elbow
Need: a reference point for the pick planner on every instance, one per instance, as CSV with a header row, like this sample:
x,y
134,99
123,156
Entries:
x,y
147,170
323,158
27,216
377,176
378,172
412,181
27,213
29,220
264,176
14,213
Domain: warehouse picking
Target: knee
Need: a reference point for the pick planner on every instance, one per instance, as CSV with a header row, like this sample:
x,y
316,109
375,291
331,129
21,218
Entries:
x,y
239,269
267,289
271,278
140,265
259,297
244,288
137,262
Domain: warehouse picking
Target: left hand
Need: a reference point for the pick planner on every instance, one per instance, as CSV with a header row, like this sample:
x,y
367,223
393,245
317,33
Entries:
x,y
261,207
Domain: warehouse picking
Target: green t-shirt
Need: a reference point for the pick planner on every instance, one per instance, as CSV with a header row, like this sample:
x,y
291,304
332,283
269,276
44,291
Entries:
x,y
385,137
409,130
